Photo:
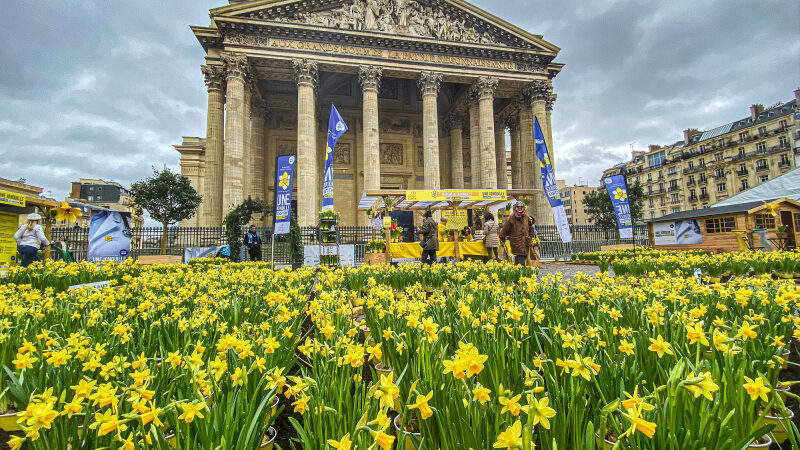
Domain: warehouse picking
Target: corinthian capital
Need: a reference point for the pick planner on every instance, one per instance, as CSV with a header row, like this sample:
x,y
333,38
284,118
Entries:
x,y
454,122
539,90
548,104
305,72
215,76
428,83
236,64
484,87
258,107
370,77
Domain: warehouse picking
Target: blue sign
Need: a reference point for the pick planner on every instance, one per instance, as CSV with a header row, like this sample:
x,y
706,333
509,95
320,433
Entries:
x,y
549,183
336,128
109,237
284,180
618,191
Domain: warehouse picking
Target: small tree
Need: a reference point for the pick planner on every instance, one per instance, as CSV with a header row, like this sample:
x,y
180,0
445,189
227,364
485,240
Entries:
x,y
168,197
601,211
295,240
238,218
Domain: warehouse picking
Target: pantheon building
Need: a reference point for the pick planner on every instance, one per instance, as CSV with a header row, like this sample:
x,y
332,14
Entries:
x,y
428,89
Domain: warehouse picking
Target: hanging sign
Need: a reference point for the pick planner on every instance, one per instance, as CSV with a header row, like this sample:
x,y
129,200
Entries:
x,y
452,195
10,198
549,183
284,180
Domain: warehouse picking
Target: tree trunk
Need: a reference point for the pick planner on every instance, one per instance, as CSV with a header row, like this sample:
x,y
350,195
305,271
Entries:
x,y
164,238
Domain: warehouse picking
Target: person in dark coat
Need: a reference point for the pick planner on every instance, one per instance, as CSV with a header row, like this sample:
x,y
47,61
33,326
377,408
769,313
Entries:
x,y
429,234
253,243
518,229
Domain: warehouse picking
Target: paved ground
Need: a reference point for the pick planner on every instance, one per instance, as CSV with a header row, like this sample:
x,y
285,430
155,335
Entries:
x,y
568,270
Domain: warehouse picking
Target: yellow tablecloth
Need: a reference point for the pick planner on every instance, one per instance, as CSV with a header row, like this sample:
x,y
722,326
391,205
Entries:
x,y
446,249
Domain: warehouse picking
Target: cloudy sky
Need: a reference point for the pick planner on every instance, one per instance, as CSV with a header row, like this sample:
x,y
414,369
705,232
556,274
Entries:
x,y
105,88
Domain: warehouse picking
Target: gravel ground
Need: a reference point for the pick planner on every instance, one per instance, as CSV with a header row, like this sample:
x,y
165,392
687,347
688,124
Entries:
x,y
568,270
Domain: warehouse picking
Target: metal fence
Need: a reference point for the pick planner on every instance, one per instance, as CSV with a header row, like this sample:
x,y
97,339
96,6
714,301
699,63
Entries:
x,y
147,240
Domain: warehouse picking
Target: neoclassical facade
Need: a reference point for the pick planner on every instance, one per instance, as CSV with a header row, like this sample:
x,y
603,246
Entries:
x,y
427,88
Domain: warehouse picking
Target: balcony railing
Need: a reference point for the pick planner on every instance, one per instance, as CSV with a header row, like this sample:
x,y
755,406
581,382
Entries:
x,y
702,181
741,173
783,164
703,196
719,175
761,168
674,188
692,198
690,183
674,202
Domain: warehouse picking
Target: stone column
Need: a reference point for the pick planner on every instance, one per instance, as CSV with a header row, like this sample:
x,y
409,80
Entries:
x,y
455,125
500,153
308,195
370,78
549,136
474,142
248,145
215,123
428,83
236,67
538,92
257,171
484,88
516,153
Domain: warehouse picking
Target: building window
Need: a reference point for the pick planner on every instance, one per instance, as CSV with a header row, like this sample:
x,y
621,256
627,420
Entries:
x,y
796,221
692,193
660,187
663,212
649,188
637,179
652,214
721,187
782,125
673,184
656,160
651,202
721,142
703,191
743,136
702,162
649,177
694,207
741,151
761,146
766,221
691,165
745,185
719,173
762,164
742,168
674,198
676,210
762,131
672,170
702,149
719,224
783,142
702,178
763,178
691,180
784,159
718,157
705,205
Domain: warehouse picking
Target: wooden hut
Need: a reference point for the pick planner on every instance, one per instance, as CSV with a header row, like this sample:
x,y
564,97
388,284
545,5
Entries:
x,y
728,228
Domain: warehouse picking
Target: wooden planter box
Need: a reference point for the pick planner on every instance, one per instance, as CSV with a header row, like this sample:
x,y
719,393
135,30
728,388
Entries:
x,y
160,259
375,258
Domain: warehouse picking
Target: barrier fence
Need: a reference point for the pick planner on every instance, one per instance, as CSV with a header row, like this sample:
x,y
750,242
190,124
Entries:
x,y
147,240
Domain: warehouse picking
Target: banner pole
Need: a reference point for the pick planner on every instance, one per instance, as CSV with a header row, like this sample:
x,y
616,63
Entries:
x,y
272,251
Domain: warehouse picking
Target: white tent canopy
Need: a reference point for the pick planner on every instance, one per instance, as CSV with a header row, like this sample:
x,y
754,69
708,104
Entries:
x,y
786,185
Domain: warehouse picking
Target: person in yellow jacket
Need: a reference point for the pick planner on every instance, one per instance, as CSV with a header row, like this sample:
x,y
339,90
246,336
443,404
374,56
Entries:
x,y
441,231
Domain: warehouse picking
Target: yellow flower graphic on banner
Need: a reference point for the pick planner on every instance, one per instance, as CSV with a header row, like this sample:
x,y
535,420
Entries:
x,y
771,208
620,194
108,238
284,181
328,151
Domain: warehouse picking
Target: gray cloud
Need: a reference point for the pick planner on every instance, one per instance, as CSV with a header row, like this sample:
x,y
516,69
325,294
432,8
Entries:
x,y
104,89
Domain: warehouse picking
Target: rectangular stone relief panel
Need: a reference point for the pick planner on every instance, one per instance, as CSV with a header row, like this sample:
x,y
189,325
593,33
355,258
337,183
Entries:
x,y
388,89
467,155
286,148
420,157
341,154
391,154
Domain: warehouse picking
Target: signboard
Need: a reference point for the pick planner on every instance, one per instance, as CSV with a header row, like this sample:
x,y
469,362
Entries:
x,y
679,232
109,237
618,191
377,223
347,254
456,220
10,198
452,195
8,246
284,180
97,285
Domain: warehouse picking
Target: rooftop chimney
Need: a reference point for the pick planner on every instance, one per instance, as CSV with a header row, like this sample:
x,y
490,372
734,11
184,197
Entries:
x,y
688,134
652,148
755,110
797,96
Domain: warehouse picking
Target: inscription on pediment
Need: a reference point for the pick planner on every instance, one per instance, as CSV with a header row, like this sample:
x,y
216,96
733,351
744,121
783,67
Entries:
x,y
404,17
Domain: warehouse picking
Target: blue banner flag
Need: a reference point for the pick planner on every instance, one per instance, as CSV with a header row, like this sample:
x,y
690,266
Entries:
x,y
618,191
549,183
284,180
336,128
109,237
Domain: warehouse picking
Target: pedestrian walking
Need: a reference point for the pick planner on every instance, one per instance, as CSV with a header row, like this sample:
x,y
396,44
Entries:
x,y
253,243
518,229
30,239
490,238
429,239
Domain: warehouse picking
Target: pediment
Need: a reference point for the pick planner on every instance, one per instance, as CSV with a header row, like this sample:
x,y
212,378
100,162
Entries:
x,y
442,20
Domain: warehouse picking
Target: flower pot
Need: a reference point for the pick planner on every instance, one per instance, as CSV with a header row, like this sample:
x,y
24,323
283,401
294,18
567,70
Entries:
x,y
8,422
382,370
785,357
269,439
779,432
271,414
763,442
604,444
782,391
409,437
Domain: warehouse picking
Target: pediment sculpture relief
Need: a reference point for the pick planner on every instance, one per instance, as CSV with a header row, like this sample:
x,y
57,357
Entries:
x,y
406,17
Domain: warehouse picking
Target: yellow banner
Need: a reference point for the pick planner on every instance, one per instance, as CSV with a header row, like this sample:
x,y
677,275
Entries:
x,y
10,198
452,195
455,220
8,226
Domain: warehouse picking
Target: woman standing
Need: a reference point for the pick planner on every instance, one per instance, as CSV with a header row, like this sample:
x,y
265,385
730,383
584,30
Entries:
x,y
518,229
490,236
429,236
30,239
